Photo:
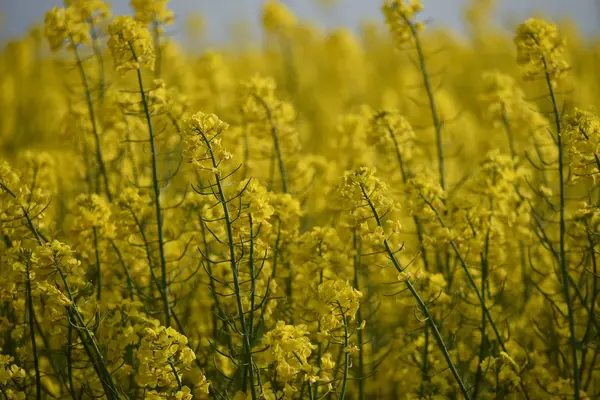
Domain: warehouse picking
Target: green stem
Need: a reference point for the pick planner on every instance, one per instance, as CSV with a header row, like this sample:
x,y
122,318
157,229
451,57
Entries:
x,y
437,123
276,145
346,355
420,302
483,256
509,133
562,228
90,105
102,371
419,227
156,187
425,364
526,278
588,330
234,268
361,362
252,298
36,363
98,53
157,49
403,171
131,287
469,277
70,361
98,277
176,374
475,289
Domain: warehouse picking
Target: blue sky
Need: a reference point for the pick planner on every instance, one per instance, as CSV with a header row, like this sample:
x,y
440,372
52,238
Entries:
x,y
17,15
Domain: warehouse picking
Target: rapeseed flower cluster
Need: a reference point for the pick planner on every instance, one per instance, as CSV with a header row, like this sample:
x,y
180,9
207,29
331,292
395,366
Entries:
x,y
130,44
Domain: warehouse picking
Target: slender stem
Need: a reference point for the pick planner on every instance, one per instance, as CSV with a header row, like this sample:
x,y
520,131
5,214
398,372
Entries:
x,y
475,289
98,361
513,153
425,364
157,49
87,339
437,123
146,247
509,133
361,361
176,374
404,170
469,277
98,53
562,230
213,290
156,187
234,268
36,363
252,280
70,360
423,307
90,105
130,284
252,298
398,152
483,256
319,344
46,345
346,354
588,328
98,277
419,227
276,145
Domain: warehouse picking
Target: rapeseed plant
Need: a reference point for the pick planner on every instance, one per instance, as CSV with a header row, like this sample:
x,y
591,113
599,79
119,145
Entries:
x,y
331,215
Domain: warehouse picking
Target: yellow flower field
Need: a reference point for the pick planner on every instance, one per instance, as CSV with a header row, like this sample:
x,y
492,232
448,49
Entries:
x,y
399,213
